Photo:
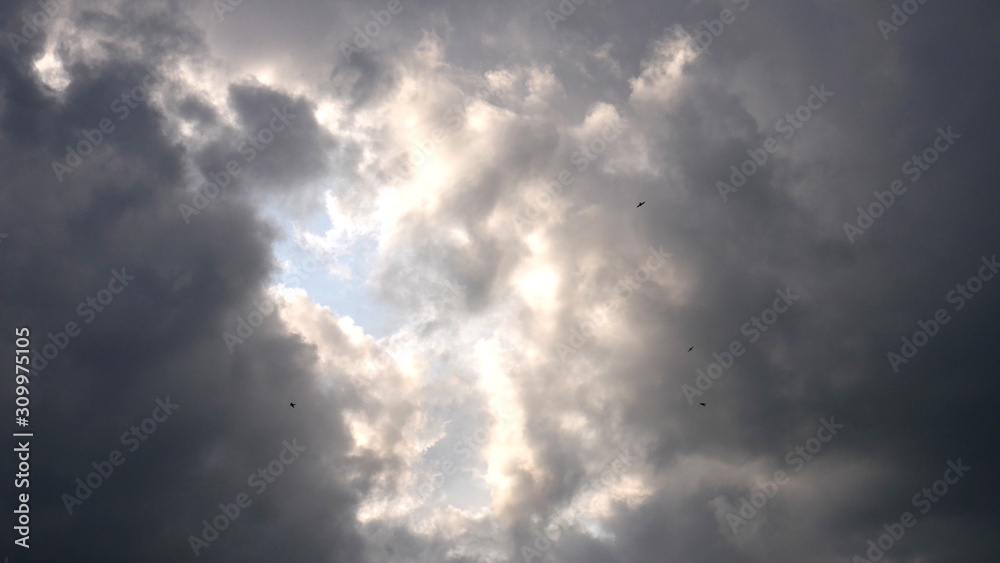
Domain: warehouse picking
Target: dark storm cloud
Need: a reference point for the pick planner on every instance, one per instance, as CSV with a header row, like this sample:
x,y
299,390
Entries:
x,y
276,148
194,109
159,337
363,79
25,26
785,229
298,153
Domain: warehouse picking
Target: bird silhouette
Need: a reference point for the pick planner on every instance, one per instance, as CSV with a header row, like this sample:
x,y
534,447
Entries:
x,y
691,348
703,404
641,203
293,405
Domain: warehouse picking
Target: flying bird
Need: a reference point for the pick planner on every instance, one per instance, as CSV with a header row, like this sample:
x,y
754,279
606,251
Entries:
x,y
703,404
641,203
293,405
691,348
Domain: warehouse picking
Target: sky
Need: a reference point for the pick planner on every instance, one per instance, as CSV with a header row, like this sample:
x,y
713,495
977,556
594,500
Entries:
x,y
417,221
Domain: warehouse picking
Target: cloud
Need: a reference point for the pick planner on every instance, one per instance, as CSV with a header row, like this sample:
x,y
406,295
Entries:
x,y
415,169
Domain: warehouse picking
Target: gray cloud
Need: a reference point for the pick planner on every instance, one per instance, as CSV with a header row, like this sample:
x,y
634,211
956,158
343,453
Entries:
x,y
373,422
